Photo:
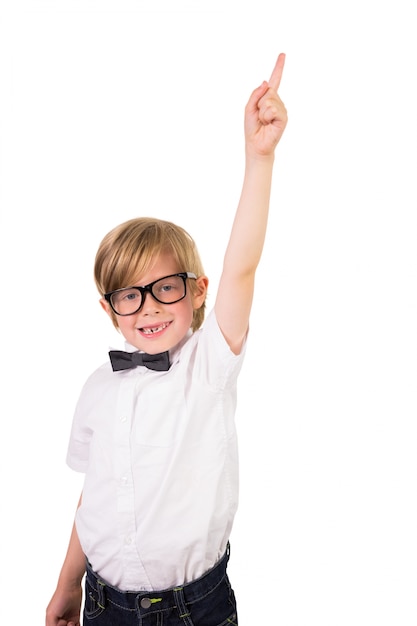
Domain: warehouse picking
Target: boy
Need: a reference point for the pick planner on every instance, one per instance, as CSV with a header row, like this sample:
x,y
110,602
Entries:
x,y
154,429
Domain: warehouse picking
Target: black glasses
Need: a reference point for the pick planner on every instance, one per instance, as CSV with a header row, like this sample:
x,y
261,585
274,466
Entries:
x,y
167,290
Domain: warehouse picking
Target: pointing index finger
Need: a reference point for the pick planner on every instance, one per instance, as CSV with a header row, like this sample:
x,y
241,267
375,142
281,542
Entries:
x,y
276,75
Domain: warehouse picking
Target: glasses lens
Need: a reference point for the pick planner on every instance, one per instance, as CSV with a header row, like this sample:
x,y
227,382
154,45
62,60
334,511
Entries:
x,y
126,301
169,290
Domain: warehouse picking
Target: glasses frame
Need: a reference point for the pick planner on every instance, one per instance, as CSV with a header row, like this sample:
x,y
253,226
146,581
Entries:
x,y
148,289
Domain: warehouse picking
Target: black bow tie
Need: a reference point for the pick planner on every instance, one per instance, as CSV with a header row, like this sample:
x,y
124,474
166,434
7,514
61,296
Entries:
x,y
126,360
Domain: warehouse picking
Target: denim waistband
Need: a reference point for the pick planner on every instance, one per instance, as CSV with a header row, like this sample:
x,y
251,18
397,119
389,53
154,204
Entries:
x,y
153,601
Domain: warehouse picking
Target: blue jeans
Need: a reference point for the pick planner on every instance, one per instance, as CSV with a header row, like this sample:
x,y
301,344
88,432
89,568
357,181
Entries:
x,y
207,601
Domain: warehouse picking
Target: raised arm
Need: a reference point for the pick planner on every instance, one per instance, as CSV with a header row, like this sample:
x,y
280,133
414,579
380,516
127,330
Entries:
x,y
265,121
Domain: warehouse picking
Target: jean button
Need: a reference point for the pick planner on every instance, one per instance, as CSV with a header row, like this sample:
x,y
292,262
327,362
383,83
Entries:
x,y
145,603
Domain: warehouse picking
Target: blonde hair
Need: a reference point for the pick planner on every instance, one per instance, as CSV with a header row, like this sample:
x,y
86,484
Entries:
x,y
128,251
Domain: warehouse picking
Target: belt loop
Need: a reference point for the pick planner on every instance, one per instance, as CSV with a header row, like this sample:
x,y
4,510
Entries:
x,y
183,612
102,594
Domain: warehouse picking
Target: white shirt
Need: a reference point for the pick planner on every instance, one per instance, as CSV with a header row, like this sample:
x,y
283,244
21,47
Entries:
x,y
159,451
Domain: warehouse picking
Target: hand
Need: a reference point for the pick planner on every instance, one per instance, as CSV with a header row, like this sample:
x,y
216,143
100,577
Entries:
x,y
64,608
266,115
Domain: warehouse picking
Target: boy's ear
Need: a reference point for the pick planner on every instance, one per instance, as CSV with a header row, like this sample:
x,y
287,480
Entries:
x,y
200,291
106,306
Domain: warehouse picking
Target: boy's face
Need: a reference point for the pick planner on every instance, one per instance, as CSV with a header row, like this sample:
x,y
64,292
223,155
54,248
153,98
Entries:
x,y
158,327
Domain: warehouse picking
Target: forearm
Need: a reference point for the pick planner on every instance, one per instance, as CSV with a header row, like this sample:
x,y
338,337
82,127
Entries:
x,y
73,568
65,604
247,237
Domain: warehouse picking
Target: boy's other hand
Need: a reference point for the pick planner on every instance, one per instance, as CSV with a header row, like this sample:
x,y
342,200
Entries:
x,y
64,608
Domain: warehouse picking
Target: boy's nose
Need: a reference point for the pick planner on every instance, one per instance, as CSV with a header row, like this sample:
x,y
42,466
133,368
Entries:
x,y
149,302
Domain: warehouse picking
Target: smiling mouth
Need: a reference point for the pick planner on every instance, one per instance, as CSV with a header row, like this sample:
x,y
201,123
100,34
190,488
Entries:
x,y
154,329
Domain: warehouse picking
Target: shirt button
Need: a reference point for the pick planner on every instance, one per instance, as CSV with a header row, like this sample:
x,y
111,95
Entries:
x,y
123,480
128,540
145,603
123,419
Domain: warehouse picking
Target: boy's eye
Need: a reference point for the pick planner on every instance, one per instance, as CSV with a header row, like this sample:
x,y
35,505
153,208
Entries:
x,y
165,288
126,296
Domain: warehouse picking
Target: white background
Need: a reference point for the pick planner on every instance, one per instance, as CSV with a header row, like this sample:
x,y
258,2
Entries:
x,y
115,109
